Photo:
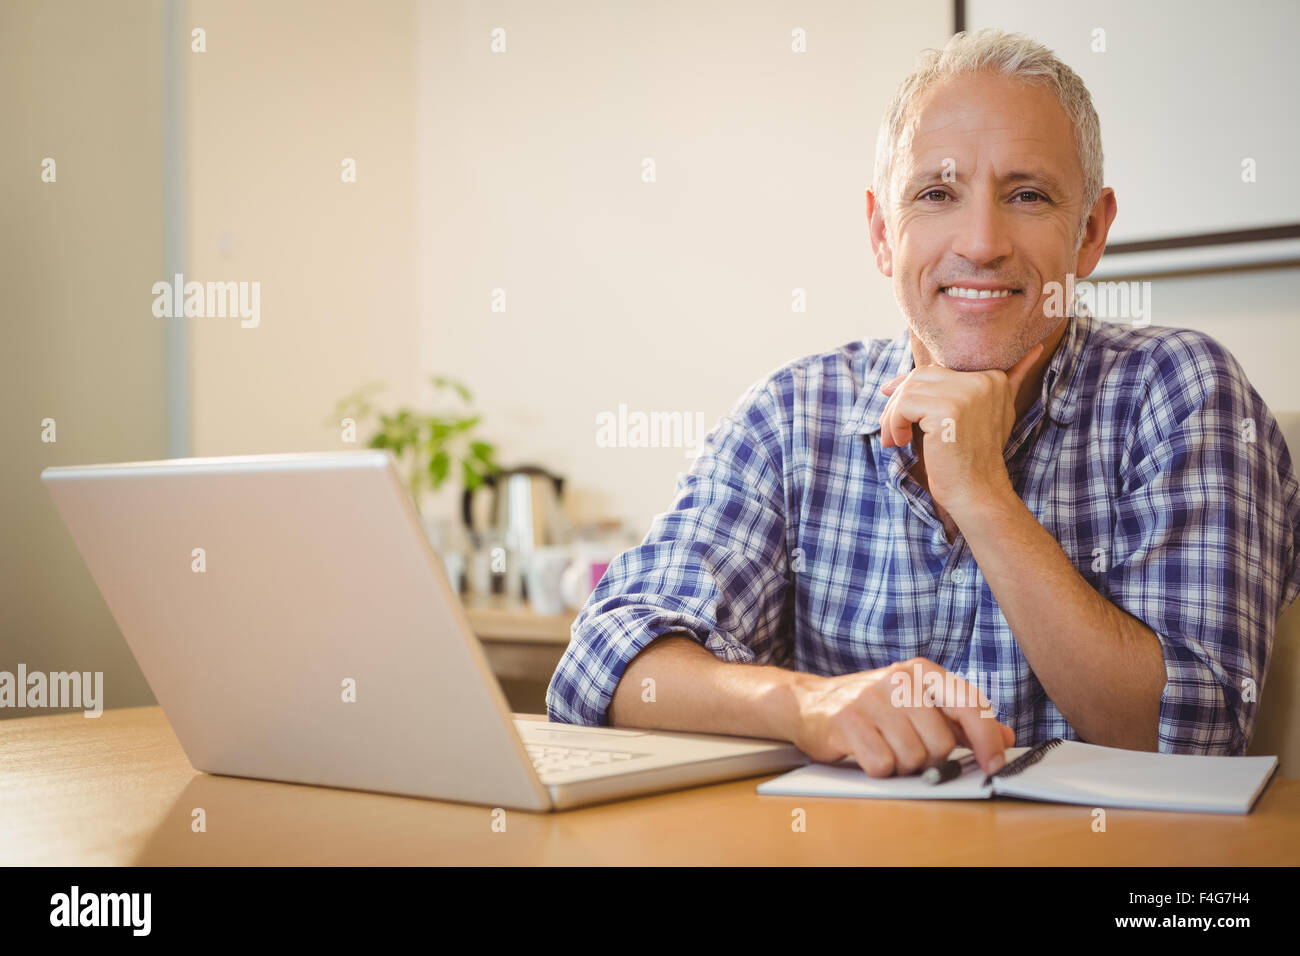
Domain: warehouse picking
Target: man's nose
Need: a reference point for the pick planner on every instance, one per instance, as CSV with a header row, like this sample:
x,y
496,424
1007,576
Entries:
x,y
983,234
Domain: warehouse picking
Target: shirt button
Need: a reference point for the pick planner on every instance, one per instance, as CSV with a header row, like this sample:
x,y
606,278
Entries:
x,y
959,576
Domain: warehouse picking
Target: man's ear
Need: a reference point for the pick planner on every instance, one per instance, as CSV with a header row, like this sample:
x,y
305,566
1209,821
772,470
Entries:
x,y
876,228
1094,234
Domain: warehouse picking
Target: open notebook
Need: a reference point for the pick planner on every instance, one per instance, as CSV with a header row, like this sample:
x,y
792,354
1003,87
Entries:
x,y
1061,771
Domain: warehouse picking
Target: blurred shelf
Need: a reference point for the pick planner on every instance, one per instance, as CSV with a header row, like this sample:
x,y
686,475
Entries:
x,y
496,618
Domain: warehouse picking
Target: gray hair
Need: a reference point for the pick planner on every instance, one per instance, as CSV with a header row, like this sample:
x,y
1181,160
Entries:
x,y
1012,55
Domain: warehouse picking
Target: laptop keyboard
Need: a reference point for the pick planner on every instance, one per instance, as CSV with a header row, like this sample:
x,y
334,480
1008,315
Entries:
x,y
548,758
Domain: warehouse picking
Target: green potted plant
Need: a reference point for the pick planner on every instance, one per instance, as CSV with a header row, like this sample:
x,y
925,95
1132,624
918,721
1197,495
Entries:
x,y
428,446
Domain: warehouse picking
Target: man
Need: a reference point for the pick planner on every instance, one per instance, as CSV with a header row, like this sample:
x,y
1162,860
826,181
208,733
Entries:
x,y
1011,523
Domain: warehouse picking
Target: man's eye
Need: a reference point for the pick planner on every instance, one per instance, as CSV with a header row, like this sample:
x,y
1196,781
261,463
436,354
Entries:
x,y
935,192
1030,192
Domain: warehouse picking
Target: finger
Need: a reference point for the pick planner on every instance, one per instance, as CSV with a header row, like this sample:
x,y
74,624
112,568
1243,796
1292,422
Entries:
x,y
1017,373
932,373
895,431
885,437
871,751
909,750
902,421
925,410
936,733
925,373
1008,735
887,430
958,732
903,410
985,737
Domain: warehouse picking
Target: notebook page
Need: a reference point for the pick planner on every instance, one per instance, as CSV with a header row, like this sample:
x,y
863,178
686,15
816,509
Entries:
x,y
1076,772
847,779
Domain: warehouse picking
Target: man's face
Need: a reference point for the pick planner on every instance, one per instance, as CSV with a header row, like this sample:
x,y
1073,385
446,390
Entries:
x,y
1003,218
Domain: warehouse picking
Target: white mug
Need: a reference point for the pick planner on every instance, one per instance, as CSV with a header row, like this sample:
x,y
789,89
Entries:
x,y
543,575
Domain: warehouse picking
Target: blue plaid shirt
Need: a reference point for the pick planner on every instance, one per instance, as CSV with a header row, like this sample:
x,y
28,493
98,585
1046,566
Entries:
x,y
797,540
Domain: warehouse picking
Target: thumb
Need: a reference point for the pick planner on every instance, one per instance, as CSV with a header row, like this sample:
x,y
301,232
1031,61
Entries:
x,y
886,388
1017,373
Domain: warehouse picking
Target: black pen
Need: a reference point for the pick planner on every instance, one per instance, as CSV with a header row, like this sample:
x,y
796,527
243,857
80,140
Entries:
x,y
949,770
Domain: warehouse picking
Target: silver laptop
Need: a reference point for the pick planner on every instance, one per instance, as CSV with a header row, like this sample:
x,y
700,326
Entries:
x,y
295,624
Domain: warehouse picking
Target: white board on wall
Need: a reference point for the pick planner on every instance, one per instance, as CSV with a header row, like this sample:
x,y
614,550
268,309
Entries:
x,y
1188,92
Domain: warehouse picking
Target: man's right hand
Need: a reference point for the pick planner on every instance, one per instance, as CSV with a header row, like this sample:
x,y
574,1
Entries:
x,y
874,717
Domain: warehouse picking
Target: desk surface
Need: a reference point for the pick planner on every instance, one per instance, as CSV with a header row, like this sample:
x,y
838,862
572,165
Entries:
x,y
118,790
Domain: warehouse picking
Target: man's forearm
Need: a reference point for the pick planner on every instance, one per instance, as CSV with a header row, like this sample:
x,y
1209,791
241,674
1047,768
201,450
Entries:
x,y
693,690
1103,668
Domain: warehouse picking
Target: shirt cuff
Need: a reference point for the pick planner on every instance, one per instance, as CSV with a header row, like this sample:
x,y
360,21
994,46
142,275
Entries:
x,y
1195,714
601,649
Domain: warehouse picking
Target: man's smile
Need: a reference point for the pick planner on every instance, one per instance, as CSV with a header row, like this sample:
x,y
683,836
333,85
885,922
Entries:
x,y
971,292
979,298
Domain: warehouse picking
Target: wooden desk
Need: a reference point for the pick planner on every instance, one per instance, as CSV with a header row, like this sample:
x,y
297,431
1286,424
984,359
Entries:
x,y
118,790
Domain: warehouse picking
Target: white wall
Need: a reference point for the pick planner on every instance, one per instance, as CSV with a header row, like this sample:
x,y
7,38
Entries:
x,y
285,91
671,296
1256,314
82,85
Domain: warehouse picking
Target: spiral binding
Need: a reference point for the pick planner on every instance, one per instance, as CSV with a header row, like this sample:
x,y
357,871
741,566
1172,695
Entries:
x,y
1025,760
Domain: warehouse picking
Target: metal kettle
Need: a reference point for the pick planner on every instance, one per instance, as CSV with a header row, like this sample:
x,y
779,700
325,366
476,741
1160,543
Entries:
x,y
523,513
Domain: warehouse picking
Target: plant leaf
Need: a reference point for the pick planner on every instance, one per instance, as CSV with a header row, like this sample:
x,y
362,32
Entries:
x,y
439,466
442,381
469,476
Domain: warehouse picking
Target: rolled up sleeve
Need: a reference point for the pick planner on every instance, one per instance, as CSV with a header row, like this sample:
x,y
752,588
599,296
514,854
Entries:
x,y
713,568
1205,540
